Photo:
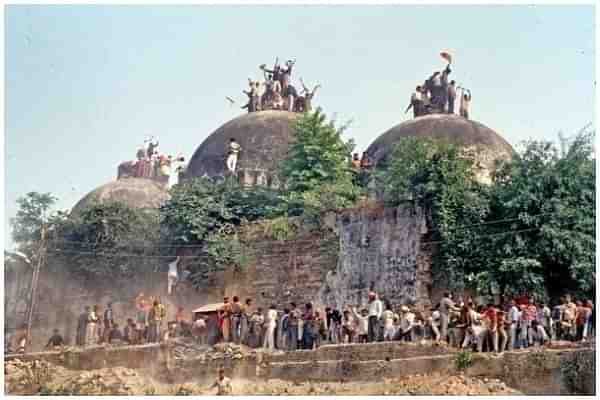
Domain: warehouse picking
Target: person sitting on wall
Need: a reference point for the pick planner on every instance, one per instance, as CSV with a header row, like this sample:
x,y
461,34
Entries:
x,y
56,341
115,336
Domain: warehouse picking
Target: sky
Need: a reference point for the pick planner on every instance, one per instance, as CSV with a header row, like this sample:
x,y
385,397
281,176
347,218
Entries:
x,y
85,84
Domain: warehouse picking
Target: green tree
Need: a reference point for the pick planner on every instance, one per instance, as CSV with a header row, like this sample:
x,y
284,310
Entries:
x,y
34,213
550,200
109,240
440,178
317,172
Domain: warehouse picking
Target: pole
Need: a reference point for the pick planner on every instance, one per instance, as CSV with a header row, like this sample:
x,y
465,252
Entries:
x,y
34,282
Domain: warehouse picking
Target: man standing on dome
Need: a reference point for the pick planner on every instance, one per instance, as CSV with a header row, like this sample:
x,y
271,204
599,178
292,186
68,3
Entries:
x,y
465,103
451,96
416,103
232,157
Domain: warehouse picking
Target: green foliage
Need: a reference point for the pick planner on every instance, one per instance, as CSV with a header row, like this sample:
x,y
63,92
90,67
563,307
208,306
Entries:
x,y
199,207
109,240
463,360
317,171
440,178
280,229
32,215
531,230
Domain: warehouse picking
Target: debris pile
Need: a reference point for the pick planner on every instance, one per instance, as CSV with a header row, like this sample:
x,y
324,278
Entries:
x,y
187,350
24,377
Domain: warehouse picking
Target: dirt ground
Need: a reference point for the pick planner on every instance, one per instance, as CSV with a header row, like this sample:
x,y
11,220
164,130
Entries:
x,y
43,378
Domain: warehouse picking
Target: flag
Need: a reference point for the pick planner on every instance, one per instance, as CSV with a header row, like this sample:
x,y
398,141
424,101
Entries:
x,y
446,56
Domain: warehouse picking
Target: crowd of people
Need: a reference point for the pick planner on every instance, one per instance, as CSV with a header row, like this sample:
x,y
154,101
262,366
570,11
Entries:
x,y
519,323
277,92
438,95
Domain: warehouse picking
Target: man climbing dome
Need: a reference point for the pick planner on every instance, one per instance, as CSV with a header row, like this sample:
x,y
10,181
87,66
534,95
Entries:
x,y
172,275
232,157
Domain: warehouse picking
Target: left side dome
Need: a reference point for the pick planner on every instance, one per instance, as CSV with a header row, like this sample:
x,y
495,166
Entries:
x,y
133,192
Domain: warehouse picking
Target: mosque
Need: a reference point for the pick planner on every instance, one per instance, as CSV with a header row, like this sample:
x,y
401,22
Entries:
x,y
266,136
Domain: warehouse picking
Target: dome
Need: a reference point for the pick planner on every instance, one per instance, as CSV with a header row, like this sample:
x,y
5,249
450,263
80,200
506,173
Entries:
x,y
488,145
265,137
133,192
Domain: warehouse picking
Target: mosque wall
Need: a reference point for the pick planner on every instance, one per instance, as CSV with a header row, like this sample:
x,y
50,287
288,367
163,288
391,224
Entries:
x,y
359,250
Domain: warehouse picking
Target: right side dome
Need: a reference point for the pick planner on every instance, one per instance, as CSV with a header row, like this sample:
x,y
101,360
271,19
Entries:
x,y
487,144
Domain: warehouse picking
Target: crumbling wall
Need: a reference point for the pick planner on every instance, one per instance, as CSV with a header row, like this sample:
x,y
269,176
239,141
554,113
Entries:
x,y
380,250
368,249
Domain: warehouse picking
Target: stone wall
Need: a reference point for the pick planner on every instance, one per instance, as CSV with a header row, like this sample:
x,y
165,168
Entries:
x,y
532,371
367,249
380,250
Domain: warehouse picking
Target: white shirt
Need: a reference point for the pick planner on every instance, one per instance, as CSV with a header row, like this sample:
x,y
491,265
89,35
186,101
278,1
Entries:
x,y
513,314
363,323
388,319
272,318
375,308
173,268
435,318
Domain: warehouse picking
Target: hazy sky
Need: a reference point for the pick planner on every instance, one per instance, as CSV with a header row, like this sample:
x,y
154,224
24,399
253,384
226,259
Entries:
x,y
85,84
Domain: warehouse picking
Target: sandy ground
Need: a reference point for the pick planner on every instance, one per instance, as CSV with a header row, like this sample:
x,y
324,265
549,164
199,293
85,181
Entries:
x,y
44,378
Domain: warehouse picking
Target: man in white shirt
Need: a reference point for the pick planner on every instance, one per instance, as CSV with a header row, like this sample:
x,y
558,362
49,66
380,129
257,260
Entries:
x,y
407,324
446,307
375,312
223,384
271,323
434,322
388,324
363,324
172,275
232,156
514,316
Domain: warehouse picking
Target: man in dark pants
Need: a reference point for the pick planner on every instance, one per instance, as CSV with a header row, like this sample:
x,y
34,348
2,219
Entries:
x,y
451,96
375,311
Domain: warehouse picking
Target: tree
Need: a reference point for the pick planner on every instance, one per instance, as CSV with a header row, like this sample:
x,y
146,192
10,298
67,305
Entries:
x,y
109,240
34,213
440,178
531,231
317,172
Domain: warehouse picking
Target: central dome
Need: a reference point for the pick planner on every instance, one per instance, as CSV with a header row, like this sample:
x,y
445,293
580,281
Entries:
x,y
265,137
488,145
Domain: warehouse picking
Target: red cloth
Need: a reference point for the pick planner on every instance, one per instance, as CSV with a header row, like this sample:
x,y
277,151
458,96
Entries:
x,y
492,314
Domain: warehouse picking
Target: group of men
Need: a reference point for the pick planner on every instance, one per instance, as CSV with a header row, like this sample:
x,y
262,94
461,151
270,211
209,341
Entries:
x,y
95,327
150,163
437,95
307,328
277,91
520,323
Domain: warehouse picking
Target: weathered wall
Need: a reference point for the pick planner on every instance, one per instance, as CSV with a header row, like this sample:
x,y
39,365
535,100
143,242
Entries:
x,y
532,372
380,249
377,249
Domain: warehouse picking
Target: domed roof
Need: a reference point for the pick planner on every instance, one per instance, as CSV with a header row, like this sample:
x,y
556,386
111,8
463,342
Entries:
x,y
264,136
134,192
452,128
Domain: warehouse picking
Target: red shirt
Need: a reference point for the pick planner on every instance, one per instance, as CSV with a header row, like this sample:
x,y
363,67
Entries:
x,y
492,314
